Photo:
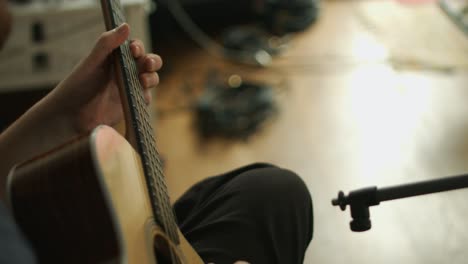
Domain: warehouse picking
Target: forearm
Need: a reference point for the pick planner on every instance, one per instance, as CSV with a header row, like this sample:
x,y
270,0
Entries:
x,y
40,129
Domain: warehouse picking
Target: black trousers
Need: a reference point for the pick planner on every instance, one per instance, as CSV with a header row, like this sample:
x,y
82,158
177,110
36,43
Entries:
x,y
258,213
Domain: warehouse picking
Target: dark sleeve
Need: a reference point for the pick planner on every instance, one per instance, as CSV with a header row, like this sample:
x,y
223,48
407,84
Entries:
x,y
13,247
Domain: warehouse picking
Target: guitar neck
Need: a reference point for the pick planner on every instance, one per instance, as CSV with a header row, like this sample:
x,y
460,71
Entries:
x,y
138,123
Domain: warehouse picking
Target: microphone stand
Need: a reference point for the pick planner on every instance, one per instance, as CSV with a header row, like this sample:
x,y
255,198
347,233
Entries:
x,y
360,200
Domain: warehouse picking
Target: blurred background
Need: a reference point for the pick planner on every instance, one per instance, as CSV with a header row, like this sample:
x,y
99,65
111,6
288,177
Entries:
x,y
348,94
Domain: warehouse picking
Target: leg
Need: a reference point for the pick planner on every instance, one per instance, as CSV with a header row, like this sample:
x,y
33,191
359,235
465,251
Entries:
x,y
258,213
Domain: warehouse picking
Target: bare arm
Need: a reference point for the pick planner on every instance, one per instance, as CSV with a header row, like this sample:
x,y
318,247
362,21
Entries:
x,y
41,128
86,98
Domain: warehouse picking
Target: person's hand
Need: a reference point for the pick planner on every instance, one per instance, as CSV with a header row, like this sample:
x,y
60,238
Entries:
x,y
91,89
85,99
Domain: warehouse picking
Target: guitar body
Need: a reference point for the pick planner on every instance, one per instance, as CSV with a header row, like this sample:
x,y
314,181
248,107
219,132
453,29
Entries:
x,y
87,202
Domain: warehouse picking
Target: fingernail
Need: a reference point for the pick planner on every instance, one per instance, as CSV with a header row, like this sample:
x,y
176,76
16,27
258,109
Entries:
x,y
136,49
122,29
151,63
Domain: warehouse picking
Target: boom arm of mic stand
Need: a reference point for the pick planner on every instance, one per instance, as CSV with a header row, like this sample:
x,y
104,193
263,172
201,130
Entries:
x,y
360,200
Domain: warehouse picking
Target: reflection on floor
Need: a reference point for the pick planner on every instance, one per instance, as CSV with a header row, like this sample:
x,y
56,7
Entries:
x,y
376,95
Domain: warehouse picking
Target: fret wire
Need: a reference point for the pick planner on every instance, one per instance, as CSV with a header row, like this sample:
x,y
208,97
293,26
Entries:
x,y
160,194
157,165
162,188
140,98
150,153
148,129
152,150
118,16
161,211
172,228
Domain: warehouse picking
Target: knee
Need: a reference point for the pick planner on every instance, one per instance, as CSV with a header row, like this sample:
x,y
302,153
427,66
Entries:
x,y
280,195
277,187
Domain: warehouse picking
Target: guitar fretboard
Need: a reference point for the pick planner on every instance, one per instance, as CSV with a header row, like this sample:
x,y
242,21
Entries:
x,y
139,118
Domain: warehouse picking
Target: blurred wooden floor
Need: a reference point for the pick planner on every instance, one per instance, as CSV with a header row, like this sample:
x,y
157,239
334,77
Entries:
x,y
377,95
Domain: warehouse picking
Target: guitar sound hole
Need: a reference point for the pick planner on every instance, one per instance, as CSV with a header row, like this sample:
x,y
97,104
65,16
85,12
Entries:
x,y
164,251
162,259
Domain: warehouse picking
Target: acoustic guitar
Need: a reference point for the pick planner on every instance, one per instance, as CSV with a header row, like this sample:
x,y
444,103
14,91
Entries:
x,y
102,198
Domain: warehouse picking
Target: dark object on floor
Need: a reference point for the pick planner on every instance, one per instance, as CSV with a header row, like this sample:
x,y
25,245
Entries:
x,y
286,16
235,113
275,17
252,45
212,16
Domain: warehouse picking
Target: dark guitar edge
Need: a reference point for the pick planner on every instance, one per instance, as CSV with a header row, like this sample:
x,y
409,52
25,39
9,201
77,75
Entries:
x,y
43,196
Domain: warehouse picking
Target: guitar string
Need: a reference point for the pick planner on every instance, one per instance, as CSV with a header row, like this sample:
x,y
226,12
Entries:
x,y
145,132
142,117
149,139
139,114
147,149
154,155
170,226
142,106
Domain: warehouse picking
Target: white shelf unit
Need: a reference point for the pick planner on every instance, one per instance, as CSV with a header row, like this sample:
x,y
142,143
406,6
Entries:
x,y
49,38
